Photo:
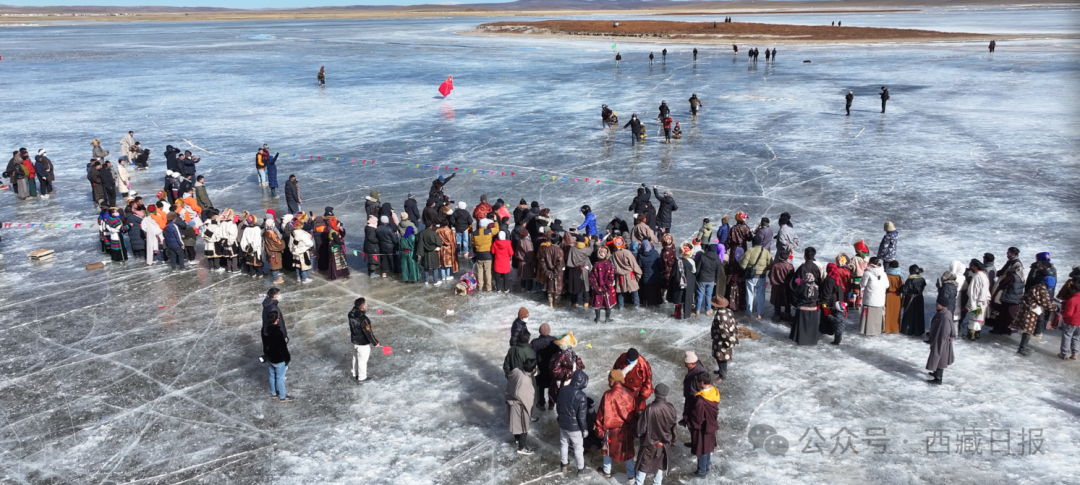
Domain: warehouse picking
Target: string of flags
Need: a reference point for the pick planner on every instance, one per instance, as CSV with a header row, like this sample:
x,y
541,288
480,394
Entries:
x,y
50,225
463,170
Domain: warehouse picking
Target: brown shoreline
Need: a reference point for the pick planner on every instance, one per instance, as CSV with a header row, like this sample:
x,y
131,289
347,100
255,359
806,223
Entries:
x,y
735,32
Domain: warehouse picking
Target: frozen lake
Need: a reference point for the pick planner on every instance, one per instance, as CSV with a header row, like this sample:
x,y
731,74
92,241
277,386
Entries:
x,y
136,375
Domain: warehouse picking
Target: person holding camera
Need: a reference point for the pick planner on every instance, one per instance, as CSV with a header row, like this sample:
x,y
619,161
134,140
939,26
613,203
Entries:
x,y
362,339
276,354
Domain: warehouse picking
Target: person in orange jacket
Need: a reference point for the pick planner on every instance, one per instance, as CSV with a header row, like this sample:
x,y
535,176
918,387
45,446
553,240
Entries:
x,y
637,375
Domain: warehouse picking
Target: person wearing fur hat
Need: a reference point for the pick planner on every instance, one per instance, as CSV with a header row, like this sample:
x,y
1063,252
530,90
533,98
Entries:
x,y
545,349
655,431
913,322
978,299
703,424
43,167
738,235
683,283
725,336
553,264
602,284
942,332
563,364
616,417
251,246
1035,303
637,374
519,325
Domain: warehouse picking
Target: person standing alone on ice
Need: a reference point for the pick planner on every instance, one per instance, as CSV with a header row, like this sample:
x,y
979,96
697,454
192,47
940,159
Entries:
x,y
322,76
362,339
276,354
618,58
884,97
847,101
942,331
695,104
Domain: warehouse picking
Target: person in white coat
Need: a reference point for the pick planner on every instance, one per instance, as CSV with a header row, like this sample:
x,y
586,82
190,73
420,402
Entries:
x,y
978,301
875,287
251,244
300,245
127,146
153,236
123,178
957,268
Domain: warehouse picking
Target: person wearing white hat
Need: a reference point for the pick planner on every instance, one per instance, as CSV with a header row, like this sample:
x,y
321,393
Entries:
x,y
44,168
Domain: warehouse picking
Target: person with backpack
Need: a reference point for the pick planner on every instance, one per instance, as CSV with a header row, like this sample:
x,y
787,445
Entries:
x,y
804,283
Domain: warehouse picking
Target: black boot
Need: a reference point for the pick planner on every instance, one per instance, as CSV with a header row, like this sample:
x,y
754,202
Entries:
x,y
1024,349
597,312
607,315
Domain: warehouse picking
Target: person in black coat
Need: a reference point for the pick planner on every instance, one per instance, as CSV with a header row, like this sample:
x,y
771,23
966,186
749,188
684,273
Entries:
x,y
635,128
371,247
387,235
573,408
362,339
641,200
108,183
884,97
292,194
545,349
186,185
708,268
276,354
847,101
188,167
805,288
519,325
667,206
413,211
664,110
170,158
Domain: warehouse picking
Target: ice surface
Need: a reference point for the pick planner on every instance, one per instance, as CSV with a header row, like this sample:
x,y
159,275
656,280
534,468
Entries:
x,y
100,385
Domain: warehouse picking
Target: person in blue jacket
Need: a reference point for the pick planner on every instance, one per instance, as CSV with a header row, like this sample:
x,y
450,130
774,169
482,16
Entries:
x,y
174,242
590,221
271,174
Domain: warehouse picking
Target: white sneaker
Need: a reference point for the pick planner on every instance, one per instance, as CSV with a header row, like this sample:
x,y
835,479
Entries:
x,y
437,283
306,281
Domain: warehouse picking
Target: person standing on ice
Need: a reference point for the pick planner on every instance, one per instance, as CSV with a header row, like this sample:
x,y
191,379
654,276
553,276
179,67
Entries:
x,y
618,57
663,56
362,339
545,349
942,331
637,375
650,58
520,396
978,300
635,128
774,54
655,432
276,354
695,103
1036,302
884,97
695,53
616,417
436,192
667,206
573,409
847,101
887,249
664,110
589,226
322,76
993,44
260,163
703,424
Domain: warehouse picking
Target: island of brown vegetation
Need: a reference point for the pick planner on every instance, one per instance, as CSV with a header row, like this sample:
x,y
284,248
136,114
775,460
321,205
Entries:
x,y
722,32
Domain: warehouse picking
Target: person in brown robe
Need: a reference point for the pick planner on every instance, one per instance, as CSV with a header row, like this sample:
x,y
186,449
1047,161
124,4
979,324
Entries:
x,y
893,301
520,398
942,331
616,418
778,279
551,259
627,273
655,432
525,256
274,246
1036,301
448,253
703,423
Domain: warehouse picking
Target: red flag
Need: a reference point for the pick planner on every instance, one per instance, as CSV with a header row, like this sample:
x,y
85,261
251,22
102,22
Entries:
x,y
446,86
386,350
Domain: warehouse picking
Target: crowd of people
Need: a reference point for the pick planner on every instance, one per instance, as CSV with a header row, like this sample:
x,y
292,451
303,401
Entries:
x,y
720,270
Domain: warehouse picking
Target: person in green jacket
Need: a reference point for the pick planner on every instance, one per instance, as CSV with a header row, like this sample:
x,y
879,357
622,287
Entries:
x,y
755,264
410,272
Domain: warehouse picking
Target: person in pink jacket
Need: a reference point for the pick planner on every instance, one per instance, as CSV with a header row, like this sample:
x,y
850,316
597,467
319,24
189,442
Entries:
x,y
502,253
1070,319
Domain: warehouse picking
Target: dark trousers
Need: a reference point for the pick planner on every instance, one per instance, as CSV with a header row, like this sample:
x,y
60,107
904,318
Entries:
x,y
44,186
721,369
520,438
607,314
214,263
938,374
293,206
110,197
848,108
176,257
838,330
139,253
231,264
190,252
502,281
883,106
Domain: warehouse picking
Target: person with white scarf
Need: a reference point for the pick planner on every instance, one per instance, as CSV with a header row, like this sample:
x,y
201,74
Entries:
x,y
251,244
227,234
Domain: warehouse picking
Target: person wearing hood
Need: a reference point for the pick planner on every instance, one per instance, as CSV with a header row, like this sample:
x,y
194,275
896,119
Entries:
x,y
545,349
652,275
627,273
913,322
428,247
372,207
388,238
978,300
520,395
892,298
640,200
1036,302
806,291
362,339
637,374
616,418
518,354
683,283
942,332
887,249
755,264
573,409
502,253
667,206
1041,268
948,286
703,424
636,129
707,263
43,167
766,234
274,247
655,431
602,284
553,265
875,286
276,353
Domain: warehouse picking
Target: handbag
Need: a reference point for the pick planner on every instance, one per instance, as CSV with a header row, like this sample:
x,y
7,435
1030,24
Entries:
x,y
751,271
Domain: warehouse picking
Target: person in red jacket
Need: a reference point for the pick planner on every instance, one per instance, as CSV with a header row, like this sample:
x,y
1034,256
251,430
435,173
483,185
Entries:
x,y
503,253
1070,319
615,421
668,122
637,375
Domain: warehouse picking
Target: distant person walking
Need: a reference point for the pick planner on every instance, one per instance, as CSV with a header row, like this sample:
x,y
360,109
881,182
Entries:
x,y
322,76
695,103
663,56
650,58
618,57
695,53
848,99
884,97
993,44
